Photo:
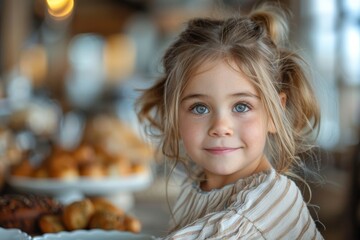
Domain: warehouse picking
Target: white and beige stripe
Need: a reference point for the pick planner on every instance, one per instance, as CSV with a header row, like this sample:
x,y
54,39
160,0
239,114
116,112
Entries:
x,y
264,206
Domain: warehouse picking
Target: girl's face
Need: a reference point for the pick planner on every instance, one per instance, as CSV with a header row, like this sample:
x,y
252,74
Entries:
x,y
223,124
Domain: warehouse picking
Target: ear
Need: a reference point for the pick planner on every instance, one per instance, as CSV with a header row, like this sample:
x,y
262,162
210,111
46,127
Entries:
x,y
283,99
271,125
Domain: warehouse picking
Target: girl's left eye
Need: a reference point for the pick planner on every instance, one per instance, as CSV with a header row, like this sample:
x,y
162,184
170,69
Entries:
x,y
241,107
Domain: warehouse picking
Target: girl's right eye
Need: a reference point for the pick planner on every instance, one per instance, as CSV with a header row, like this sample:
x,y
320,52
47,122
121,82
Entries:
x,y
199,109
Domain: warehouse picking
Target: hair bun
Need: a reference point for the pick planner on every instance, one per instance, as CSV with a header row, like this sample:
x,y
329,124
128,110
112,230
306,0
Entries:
x,y
274,20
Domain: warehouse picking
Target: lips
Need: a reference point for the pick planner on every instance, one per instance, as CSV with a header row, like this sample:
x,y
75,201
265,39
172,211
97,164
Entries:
x,y
221,150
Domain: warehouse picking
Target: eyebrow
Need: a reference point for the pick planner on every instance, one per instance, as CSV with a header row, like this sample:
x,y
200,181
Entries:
x,y
198,95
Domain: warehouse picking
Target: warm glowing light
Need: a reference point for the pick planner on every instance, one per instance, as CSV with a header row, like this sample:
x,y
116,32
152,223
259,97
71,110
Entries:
x,y
57,4
60,9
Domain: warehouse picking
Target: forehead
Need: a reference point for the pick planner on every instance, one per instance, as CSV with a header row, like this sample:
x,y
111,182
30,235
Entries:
x,y
224,75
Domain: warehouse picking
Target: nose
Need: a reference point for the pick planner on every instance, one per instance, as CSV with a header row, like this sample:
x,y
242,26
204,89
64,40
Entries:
x,y
221,127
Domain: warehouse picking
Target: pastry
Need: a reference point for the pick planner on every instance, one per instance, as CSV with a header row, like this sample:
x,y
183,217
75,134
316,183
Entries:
x,y
118,166
77,214
40,172
103,205
63,167
107,220
132,224
23,169
84,154
138,168
92,169
51,223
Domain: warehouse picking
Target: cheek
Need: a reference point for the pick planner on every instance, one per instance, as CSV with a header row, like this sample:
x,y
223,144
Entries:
x,y
253,131
191,131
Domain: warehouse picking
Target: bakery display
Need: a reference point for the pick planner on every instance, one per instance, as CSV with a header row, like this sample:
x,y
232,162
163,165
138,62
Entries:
x,y
110,161
109,148
67,165
36,215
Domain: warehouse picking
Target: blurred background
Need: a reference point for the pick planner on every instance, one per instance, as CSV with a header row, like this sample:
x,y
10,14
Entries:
x,y
64,63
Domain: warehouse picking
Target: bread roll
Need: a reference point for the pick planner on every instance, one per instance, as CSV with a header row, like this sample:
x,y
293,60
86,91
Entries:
x,y
63,167
84,154
51,223
132,224
103,205
93,170
107,221
77,214
23,169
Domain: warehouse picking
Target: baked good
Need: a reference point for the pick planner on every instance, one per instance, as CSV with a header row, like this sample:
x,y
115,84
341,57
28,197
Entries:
x,y
103,205
116,137
138,168
23,211
51,223
23,169
40,172
77,215
84,154
107,220
92,169
63,167
132,224
118,166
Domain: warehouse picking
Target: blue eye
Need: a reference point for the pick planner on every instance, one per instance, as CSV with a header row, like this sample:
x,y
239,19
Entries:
x,y
199,109
241,108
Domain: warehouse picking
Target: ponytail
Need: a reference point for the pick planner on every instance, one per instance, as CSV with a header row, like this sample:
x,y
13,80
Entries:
x,y
296,121
301,107
274,21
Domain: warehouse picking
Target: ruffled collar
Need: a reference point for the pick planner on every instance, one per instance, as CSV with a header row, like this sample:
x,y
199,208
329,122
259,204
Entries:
x,y
253,180
196,203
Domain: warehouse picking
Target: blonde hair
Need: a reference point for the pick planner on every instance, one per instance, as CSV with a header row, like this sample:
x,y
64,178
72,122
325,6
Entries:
x,y
257,44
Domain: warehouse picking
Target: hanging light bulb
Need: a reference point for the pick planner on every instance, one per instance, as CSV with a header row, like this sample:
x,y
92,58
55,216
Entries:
x,y
60,9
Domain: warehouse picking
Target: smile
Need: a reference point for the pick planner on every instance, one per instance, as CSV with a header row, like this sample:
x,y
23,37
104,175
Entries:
x,y
220,150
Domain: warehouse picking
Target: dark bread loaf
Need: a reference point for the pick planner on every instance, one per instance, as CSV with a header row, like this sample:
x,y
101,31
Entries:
x,y
24,211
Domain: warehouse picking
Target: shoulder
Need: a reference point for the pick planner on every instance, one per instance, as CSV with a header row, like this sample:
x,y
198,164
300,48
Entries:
x,y
274,193
264,186
277,208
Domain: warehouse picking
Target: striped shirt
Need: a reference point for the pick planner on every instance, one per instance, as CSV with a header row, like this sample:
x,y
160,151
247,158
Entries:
x,y
266,205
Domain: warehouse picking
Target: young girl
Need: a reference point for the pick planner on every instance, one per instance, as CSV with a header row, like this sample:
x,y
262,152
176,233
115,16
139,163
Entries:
x,y
239,104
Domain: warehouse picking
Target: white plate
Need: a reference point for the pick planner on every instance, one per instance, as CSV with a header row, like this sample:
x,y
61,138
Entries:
x,y
94,234
87,186
13,234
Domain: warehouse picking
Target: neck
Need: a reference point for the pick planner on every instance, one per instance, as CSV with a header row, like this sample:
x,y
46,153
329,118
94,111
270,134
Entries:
x,y
213,181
